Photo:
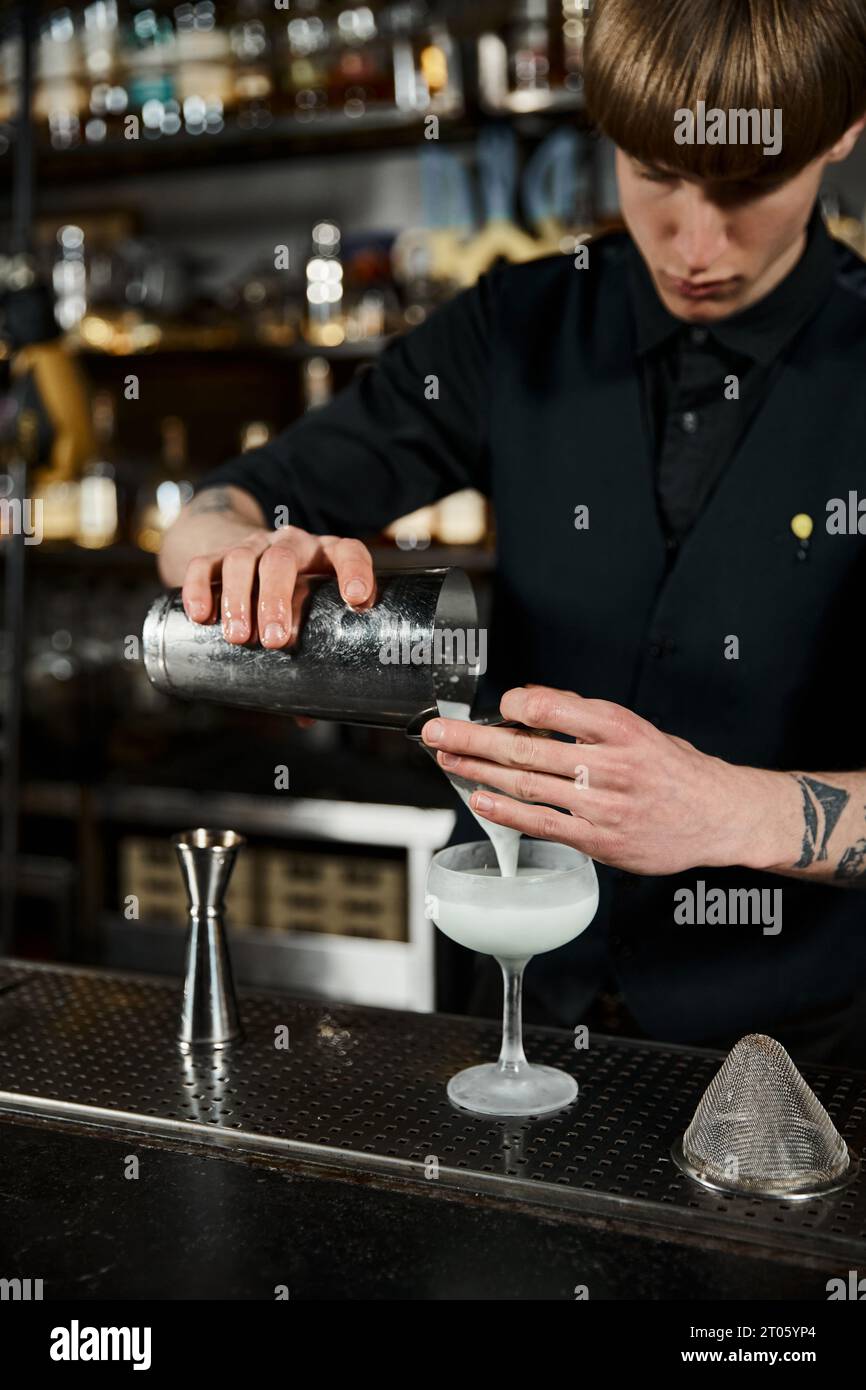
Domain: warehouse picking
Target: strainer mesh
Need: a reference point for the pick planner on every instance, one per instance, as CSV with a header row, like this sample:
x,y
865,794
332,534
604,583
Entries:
x,y
759,1126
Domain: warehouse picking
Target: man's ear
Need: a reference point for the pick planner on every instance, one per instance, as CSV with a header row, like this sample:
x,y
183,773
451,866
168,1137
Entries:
x,y
845,145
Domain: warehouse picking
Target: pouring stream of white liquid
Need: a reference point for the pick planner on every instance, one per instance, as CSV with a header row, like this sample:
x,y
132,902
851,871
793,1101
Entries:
x,y
505,841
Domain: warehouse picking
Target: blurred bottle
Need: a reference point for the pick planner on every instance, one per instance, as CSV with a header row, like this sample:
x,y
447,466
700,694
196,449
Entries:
x,y
108,96
529,57
254,434
535,62
69,277
10,67
60,96
168,490
325,326
426,66
252,74
575,14
97,493
318,382
205,77
148,52
364,317
360,66
305,75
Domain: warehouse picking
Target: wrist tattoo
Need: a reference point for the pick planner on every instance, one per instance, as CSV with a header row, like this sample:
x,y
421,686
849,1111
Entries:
x,y
213,499
822,807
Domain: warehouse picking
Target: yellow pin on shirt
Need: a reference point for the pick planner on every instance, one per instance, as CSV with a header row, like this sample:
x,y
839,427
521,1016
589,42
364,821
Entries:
x,y
802,526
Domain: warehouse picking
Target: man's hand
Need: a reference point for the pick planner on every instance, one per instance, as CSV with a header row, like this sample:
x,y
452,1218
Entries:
x,y
630,796
221,553
230,565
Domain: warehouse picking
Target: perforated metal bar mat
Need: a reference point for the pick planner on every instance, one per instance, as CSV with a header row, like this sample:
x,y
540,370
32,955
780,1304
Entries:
x,y
365,1089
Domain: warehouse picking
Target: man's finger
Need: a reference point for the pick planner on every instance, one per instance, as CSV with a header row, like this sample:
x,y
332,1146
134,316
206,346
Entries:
x,y
577,793
278,570
353,566
238,578
199,598
592,721
542,823
509,747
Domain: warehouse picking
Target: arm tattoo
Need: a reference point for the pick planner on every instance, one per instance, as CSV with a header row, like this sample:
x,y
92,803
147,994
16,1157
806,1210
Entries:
x,y
213,499
853,862
821,803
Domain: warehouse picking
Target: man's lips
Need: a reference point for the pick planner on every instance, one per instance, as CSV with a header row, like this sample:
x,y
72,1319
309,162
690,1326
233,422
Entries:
x,y
699,289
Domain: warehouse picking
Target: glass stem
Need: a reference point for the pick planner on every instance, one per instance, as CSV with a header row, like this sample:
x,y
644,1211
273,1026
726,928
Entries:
x,y
511,1057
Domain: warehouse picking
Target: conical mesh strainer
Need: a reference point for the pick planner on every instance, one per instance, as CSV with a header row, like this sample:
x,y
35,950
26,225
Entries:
x,y
760,1130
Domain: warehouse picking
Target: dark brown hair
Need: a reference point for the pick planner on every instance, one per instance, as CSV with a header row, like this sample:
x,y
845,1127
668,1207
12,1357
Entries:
x,y
646,59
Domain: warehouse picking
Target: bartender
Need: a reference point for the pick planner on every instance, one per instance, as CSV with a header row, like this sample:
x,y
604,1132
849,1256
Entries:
x,y
668,433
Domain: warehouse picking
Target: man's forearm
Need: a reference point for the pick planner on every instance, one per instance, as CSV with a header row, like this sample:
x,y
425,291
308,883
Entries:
x,y
213,520
815,826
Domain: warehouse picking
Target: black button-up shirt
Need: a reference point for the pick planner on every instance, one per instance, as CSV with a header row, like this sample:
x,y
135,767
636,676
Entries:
x,y
696,416
528,387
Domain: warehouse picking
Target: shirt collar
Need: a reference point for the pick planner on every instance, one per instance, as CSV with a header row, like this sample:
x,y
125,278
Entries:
x,y
763,329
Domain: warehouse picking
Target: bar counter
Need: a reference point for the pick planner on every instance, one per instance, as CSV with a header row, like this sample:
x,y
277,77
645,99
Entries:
x,y
321,1158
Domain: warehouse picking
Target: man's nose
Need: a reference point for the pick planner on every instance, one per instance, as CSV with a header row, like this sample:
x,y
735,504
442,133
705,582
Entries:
x,y
701,236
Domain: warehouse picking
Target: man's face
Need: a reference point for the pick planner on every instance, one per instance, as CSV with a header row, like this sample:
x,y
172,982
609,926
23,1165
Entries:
x,y
713,249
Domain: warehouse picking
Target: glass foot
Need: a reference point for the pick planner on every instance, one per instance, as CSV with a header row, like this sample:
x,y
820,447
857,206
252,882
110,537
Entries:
x,y
524,1090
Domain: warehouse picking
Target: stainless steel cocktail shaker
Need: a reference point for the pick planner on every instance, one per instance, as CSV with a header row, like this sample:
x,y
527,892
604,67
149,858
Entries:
x,y
385,666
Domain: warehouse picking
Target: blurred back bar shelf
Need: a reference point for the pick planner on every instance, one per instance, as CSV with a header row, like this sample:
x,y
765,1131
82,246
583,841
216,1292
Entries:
x,y
123,84
64,555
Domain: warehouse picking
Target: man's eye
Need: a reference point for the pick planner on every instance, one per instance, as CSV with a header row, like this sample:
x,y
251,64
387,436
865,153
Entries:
x,y
654,176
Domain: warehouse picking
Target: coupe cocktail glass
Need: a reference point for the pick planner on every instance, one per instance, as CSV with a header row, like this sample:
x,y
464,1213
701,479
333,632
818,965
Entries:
x,y
550,901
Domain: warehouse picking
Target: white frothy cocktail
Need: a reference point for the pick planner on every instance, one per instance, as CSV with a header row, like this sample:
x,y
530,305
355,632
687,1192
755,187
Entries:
x,y
550,900
516,928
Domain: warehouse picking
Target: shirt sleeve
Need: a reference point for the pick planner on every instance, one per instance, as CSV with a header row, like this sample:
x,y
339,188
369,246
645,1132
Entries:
x,y
411,429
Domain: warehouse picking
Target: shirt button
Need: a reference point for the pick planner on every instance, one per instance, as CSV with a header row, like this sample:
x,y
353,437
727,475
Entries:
x,y
689,421
699,336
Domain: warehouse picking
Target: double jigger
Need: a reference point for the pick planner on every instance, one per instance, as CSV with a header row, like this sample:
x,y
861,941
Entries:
x,y
209,1015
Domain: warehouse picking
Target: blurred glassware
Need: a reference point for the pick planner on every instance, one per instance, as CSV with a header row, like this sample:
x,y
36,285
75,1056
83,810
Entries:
x,y
534,64
168,489
305,69
427,72
97,493
318,382
360,64
69,277
413,532
254,435
148,51
60,95
365,320
204,79
10,67
109,99
250,40
325,325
